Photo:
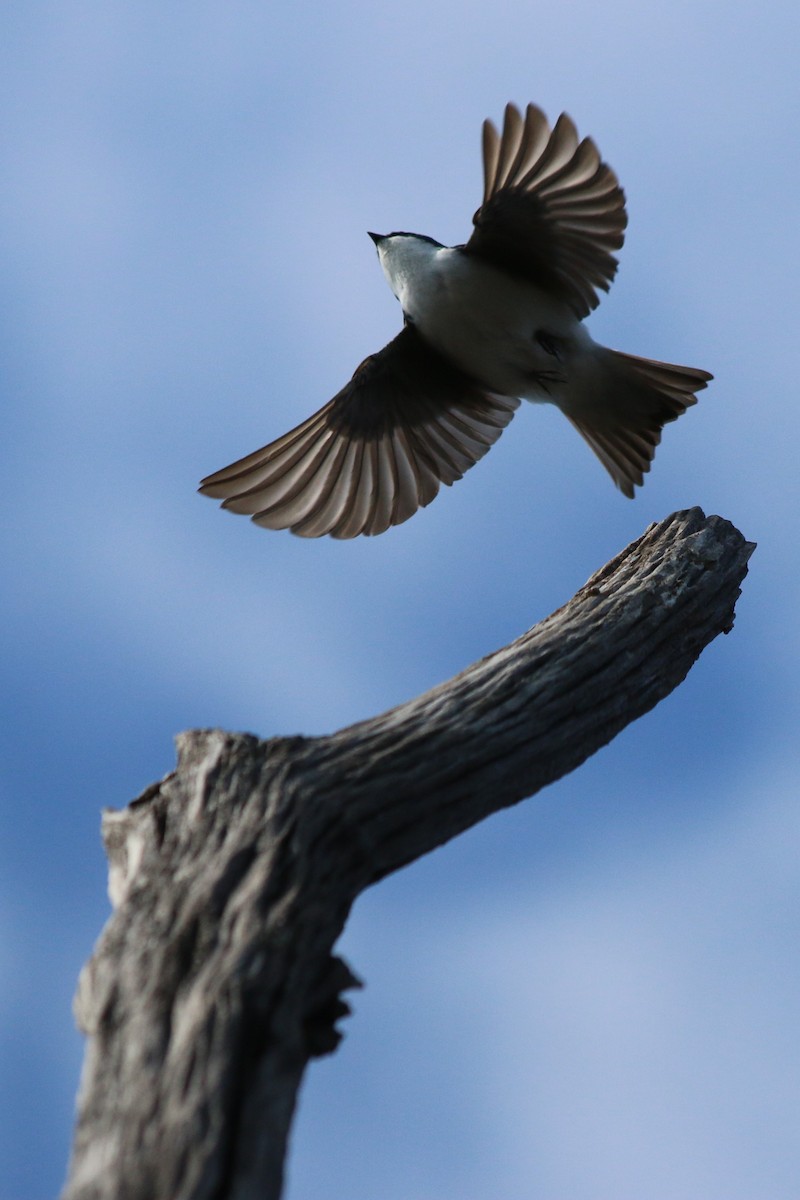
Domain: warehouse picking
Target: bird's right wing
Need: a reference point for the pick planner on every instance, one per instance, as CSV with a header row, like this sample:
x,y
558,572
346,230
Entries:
x,y
552,211
406,422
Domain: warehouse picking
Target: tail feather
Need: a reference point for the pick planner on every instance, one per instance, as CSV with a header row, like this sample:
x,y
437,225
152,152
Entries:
x,y
628,402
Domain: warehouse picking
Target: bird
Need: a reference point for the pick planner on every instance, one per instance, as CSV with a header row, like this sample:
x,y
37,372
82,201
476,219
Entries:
x,y
486,324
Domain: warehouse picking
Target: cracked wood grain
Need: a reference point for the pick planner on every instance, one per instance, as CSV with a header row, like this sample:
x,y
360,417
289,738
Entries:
x,y
214,982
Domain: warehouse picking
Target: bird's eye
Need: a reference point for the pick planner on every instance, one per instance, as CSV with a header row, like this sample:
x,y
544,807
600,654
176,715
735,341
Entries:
x,y
550,344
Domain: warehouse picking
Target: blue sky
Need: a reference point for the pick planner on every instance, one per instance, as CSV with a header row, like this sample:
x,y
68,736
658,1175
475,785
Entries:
x,y
596,994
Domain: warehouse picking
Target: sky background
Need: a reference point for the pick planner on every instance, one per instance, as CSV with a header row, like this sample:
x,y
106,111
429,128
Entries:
x,y
595,995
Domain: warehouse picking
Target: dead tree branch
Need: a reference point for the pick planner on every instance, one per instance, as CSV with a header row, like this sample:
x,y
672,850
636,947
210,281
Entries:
x,y
214,982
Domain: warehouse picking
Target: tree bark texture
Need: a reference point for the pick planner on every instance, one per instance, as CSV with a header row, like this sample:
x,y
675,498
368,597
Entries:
x,y
214,982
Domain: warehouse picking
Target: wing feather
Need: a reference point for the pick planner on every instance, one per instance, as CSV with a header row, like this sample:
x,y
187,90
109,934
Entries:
x,y
553,212
407,422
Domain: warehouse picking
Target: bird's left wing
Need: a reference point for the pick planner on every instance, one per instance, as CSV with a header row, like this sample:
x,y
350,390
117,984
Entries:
x,y
405,423
552,211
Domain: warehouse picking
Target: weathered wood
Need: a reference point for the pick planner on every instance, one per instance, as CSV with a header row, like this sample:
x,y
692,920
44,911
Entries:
x,y
213,983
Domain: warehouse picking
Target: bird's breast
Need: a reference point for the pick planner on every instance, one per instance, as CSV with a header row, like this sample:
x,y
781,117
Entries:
x,y
486,322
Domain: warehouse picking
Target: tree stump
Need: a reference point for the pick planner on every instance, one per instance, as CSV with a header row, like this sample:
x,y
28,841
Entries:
x,y
214,981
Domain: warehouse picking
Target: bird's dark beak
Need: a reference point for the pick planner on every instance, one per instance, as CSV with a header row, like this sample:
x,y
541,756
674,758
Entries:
x,y
377,237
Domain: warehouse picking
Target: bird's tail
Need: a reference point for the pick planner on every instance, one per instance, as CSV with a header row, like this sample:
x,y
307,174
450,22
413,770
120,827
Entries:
x,y
625,404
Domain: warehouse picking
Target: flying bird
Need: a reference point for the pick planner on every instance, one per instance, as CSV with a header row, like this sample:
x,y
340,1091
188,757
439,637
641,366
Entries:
x,y
485,323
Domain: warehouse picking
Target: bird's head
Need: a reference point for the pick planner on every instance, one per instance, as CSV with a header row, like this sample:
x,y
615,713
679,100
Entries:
x,y
403,256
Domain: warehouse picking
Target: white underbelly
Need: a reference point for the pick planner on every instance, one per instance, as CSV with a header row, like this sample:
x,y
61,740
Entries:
x,y
486,322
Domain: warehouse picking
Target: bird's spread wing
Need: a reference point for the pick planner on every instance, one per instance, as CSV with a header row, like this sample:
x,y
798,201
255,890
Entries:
x,y
405,423
552,211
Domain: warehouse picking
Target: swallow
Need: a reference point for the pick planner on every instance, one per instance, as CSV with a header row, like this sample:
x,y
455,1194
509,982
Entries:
x,y
486,324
